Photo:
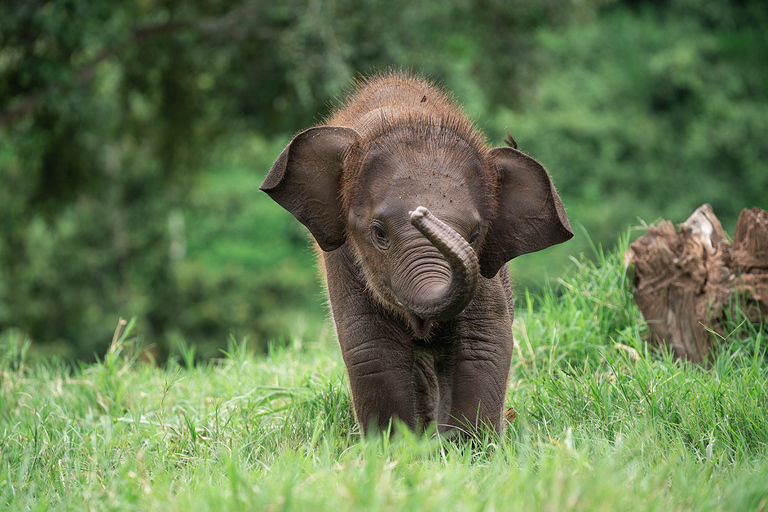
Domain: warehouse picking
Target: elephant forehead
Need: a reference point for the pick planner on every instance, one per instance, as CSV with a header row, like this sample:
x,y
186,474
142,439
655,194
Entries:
x,y
431,177
439,193
440,173
433,189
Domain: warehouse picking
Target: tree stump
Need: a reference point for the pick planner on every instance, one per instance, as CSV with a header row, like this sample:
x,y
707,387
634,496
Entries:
x,y
688,284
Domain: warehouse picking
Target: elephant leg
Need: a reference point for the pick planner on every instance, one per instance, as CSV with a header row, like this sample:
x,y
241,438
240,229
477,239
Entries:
x,y
376,348
426,390
480,360
380,376
479,387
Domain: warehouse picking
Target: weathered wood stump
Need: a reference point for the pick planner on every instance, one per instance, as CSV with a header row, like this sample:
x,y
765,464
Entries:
x,y
688,284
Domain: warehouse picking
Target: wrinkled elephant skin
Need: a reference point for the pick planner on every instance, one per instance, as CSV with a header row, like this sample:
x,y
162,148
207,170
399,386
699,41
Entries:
x,y
416,218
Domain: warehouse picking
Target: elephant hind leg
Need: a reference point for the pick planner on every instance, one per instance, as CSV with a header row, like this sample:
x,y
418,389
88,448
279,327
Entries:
x,y
426,390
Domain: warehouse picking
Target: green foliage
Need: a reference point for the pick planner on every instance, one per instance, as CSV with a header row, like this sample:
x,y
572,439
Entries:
x,y
109,114
603,422
645,114
583,363
248,268
650,124
133,138
98,154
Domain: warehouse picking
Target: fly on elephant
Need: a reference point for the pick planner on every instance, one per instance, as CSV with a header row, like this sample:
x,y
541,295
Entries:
x,y
416,218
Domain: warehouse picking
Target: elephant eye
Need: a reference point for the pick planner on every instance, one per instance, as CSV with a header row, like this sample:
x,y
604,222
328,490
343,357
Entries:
x,y
474,236
379,235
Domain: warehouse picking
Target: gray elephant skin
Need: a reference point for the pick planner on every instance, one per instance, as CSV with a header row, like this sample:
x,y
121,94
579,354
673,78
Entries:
x,y
416,218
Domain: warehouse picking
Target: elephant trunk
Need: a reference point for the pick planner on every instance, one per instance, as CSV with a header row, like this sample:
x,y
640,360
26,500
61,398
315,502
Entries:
x,y
441,299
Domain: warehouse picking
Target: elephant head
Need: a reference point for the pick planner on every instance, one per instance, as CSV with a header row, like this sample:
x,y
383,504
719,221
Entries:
x,y
426,213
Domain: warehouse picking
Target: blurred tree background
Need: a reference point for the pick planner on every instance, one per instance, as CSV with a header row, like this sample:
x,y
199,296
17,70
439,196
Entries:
x,y
134,135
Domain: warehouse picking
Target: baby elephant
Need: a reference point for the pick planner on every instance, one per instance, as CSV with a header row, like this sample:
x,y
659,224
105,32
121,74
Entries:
x,y
416,218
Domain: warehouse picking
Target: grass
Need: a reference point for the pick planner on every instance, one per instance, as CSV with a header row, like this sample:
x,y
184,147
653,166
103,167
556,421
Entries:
x,y
603,423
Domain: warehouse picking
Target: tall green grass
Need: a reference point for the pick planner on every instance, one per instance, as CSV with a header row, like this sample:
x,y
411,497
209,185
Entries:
x,y
604,422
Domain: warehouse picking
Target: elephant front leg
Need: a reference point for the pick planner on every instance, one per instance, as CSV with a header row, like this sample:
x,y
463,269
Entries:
x,y
479,385
376,349
480,359
380,368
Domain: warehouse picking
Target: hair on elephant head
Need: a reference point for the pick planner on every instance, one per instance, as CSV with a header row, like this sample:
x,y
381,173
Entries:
x,y
416,218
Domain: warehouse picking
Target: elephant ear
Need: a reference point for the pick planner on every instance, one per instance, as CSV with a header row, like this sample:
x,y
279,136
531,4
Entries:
x,y
530,214
306,181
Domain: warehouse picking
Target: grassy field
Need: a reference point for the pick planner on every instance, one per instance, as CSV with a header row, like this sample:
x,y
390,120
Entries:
x,y
603,423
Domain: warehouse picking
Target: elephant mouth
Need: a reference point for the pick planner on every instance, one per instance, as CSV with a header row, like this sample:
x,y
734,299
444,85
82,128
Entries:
x,y
419,325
